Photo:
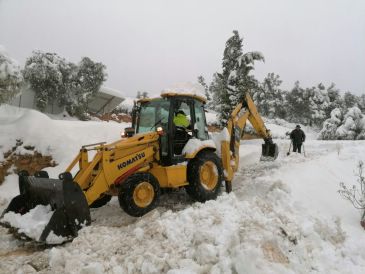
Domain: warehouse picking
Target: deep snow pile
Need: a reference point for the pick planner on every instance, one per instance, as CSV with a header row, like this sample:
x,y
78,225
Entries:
x,y
60,138
282,217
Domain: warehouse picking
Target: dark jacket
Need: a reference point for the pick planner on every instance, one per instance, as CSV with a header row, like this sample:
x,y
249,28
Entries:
x,y
297,136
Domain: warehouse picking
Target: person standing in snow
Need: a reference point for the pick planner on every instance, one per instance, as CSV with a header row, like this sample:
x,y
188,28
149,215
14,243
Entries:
x,y
297,137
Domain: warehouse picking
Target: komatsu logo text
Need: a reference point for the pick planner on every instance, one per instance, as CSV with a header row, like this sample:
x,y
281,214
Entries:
x,y
132,160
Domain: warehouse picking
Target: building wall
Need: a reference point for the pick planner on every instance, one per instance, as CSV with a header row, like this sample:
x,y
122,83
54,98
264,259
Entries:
x,y
25,99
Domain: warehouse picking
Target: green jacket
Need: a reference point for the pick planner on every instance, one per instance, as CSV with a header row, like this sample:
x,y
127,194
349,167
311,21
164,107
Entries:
x,y
180,120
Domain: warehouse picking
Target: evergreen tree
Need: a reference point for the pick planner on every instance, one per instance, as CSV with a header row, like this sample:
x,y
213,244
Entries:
x,y
335,100
269,98
298,106
216,88
350,100
10,77
319,103
234,79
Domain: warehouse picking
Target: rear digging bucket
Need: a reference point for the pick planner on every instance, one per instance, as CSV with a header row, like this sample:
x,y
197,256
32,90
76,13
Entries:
x,y
66,199
270,151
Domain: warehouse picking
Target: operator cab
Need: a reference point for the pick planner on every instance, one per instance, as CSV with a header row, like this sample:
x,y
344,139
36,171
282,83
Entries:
x,y
149,114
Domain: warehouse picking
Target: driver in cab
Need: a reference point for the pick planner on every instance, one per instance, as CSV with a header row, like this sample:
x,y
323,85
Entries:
x,y
180,119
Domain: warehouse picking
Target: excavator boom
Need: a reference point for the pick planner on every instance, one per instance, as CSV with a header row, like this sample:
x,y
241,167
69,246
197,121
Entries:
x,y
235,126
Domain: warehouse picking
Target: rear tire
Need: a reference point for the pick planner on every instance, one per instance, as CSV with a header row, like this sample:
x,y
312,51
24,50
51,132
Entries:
x,y
204,176
139,194
103,200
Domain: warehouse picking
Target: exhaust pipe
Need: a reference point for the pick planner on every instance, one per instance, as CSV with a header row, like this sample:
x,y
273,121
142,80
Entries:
x,y
67,200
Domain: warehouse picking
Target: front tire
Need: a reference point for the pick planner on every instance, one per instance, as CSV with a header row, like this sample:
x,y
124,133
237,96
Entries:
x,y
204,176
139,194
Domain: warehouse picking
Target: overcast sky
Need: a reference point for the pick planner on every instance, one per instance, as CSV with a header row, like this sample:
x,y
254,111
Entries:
x,y
150,45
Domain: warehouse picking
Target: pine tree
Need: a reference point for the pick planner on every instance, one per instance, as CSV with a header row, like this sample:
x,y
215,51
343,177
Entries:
x,y
298,105
202,82
269,98
350,99
234,80
319,103
10,77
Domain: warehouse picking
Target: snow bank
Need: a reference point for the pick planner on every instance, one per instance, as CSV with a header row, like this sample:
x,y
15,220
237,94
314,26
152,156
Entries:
x,y
60,138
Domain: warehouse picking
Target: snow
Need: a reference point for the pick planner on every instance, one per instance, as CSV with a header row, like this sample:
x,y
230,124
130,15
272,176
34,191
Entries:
x,y
111,91
60,138
194,145
8,66
283,216
128,103
185,88
212,118
33,222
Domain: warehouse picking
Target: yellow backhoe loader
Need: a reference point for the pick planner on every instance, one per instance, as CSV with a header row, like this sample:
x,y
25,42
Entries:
x,y
153,154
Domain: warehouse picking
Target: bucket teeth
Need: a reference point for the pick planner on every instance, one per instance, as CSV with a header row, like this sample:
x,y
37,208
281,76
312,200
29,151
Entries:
x,y
67,200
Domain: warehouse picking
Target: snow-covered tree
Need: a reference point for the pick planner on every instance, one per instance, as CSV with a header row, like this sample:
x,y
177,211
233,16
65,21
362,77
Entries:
x,y
207,94
350,99
10,77
48,75
335,99
55,80
319,103
269,98
86,80
298,105
350,126
234,79
330,126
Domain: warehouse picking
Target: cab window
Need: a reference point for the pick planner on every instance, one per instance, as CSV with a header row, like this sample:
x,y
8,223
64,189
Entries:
x,y
200,124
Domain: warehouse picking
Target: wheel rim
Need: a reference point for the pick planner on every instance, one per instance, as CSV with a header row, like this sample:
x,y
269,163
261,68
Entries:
x,y
143,194
208,175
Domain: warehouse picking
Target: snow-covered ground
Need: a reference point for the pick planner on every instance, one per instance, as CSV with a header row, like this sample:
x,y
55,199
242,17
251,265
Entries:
x,y
282,217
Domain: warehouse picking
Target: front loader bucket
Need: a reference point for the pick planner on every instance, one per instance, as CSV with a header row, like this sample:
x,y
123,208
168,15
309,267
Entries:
x,y
67,200
270,151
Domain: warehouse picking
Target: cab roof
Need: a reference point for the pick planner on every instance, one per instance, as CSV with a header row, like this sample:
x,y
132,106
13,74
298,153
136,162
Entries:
x,y
174,94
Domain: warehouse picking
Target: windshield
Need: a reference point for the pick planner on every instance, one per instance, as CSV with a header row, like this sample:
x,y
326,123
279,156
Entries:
x,y
152,114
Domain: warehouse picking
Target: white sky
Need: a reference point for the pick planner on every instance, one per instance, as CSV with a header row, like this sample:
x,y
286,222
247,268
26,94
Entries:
x,y
150,45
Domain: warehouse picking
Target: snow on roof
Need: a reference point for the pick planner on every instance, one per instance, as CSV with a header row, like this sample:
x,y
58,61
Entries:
x,y
112,92
185,88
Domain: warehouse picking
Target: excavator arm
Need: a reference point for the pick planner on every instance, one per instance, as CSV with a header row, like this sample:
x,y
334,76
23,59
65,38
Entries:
x,y
244,111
